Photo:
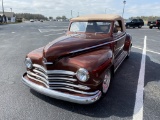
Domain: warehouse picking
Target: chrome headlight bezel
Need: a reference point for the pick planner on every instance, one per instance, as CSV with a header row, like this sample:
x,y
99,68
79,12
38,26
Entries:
x,y
28,63
82,75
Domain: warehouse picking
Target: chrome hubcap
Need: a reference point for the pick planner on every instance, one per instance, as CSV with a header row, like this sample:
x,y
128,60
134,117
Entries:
x,y
106,81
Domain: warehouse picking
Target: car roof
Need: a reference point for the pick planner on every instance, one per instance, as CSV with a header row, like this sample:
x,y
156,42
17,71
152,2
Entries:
x,y
109,17
100,17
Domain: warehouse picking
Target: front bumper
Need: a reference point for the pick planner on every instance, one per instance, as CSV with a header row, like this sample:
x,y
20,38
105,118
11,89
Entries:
x,y
60,95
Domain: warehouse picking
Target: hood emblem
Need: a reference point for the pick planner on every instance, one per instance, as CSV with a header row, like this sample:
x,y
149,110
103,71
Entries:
x,y
45,62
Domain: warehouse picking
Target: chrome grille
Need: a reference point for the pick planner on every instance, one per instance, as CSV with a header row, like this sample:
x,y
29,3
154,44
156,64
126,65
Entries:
x,y
57,79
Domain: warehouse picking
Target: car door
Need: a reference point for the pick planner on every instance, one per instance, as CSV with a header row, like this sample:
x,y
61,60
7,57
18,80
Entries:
x,y
119,39
134,23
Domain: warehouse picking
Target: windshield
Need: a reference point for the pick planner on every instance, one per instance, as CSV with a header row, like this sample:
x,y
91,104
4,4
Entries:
x,y
129,20
91,27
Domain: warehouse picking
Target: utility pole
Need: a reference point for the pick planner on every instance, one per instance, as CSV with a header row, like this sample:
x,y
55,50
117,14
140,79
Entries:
x,y
78,14
124,2
105,10
71,14
11,9
2,7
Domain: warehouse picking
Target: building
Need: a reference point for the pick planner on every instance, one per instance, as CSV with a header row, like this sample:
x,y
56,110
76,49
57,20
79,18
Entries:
x,y
10,16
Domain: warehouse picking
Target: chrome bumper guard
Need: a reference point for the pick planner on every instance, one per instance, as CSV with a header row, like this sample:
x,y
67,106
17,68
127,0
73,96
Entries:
x,y
60,95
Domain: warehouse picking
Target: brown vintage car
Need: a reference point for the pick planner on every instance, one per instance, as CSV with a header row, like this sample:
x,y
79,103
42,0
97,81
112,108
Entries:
x,y
78,66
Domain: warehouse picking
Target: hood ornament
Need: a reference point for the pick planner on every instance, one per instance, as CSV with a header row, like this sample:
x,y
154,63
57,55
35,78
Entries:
x,y
45,62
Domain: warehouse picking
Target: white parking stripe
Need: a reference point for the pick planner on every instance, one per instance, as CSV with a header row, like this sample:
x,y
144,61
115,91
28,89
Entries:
x,y
50,30
57,26
138,108
146,50
54,34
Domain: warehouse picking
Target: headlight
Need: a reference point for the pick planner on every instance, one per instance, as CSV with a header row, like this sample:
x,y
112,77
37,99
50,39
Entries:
x,y
28,63
82,74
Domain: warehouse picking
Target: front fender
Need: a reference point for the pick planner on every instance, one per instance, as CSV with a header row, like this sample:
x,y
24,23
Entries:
x,y
128,42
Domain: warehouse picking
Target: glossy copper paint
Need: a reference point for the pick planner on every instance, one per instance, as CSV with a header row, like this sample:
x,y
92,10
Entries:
x,y
69,53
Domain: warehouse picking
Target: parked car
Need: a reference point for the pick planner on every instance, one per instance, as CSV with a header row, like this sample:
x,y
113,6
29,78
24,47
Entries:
x,y
152,24
134,23
31,20
78,67
158,23
41,20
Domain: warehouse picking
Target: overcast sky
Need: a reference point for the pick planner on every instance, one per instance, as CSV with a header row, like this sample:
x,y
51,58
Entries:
x,y
63,7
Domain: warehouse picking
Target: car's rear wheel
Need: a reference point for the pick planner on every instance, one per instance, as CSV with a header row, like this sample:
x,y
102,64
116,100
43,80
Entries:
x,y
128,26
106,81
150,27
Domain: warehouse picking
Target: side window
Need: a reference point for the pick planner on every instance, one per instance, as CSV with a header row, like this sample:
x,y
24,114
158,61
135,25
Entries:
x,y
134,20
117,27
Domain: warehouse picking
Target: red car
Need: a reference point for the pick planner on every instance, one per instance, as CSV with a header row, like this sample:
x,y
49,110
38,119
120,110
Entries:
x,y
78,66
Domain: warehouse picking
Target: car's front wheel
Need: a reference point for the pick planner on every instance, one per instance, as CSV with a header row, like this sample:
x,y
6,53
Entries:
x,y
106,81
139,26
150,27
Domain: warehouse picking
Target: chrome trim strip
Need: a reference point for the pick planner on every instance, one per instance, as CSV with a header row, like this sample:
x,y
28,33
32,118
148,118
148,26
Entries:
x,y
38,76
41,73
76,91
120,62
61,72
48,63
67,84
40,67
37,80
61,78
54,71
60,95
98,45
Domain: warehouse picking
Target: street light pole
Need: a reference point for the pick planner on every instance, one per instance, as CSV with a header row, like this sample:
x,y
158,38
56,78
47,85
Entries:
x,y
71,14
124,2
11,9
2,7
105,10
78,14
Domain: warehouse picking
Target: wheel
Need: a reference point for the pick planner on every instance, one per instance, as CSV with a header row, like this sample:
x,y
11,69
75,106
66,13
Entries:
x,y
128,26
150,27
128,52
133,27
139,26
106,82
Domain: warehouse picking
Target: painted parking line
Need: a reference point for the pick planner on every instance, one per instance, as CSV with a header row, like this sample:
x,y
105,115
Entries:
x,y
54,34
146,50
138,108
50,30
57,26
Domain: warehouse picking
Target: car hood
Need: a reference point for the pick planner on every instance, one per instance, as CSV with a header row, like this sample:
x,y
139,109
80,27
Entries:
x,y
71,44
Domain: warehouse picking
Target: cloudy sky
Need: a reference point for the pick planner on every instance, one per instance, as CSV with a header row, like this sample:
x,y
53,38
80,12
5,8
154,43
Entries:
x,y
63,7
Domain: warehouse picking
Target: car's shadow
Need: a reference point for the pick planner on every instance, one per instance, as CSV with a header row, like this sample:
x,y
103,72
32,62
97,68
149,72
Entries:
x,y
120,99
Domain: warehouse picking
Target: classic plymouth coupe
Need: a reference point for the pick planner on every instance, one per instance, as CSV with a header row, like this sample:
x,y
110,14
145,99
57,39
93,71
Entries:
x,y
78,66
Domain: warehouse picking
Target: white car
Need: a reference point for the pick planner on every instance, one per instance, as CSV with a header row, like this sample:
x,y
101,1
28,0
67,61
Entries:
x,y
31,20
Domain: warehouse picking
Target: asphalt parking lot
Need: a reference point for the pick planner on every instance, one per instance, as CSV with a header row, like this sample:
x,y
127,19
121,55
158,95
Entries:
x,y
18,102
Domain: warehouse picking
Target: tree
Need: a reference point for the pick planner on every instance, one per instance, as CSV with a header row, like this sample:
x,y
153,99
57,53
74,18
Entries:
x,y
58,18
51,18
64,17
